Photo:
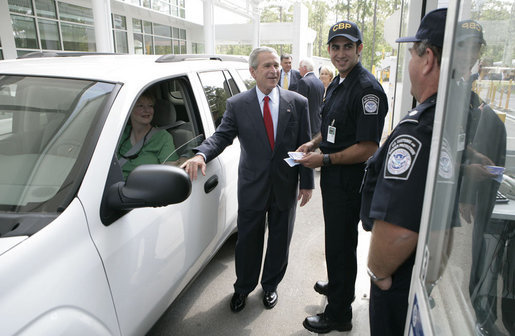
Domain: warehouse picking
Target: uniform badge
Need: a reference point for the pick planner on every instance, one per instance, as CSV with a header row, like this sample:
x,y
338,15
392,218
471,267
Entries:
x,y
370,104
446,161
402,154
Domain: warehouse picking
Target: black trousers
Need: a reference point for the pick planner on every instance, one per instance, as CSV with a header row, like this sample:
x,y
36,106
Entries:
x,y
341,205
249,247
388,309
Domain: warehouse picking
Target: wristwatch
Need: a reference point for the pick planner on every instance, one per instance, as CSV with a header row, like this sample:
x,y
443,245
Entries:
x,y
373,276
326,160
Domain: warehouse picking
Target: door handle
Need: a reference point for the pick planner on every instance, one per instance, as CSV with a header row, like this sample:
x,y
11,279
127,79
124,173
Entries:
x,y
211,184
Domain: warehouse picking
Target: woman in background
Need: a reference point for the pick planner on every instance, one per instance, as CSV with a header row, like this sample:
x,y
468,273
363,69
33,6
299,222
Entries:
x,y
326,76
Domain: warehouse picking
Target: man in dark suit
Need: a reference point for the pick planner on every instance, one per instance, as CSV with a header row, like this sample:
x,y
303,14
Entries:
x,y
269,122
311,87
289,78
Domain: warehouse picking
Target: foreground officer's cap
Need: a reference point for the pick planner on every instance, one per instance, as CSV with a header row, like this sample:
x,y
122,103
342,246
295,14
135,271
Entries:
x,y
470,29
432,28
346,29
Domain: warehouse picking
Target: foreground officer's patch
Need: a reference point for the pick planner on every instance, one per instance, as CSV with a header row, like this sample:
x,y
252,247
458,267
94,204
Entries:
x,y
402,154
370,104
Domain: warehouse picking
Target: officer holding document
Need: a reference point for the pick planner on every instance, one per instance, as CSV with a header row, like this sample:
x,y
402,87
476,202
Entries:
x,y
352,123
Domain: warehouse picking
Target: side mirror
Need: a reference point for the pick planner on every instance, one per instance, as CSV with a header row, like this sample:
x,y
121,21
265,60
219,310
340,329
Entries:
x,y
146,186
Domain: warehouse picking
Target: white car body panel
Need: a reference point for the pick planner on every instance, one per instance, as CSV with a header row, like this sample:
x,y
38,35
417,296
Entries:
x,y
55,269
85,278
9,242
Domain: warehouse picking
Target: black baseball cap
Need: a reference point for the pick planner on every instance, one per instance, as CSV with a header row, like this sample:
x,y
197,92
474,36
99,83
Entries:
x,y
346,29
470,29
432,28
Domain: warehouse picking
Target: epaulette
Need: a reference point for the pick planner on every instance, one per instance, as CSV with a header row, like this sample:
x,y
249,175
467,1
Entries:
x,y
412,117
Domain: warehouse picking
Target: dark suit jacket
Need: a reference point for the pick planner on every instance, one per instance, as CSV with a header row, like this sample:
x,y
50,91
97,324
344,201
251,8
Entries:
x,y
262,170
312,88
294,79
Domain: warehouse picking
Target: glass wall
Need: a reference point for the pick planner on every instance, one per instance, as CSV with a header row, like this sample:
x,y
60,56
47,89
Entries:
x,y
170,7
468,267
55,25
51,25
154,38
120,34
197,48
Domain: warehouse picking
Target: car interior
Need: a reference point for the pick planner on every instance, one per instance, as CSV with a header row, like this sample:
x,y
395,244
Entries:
x,y
174,112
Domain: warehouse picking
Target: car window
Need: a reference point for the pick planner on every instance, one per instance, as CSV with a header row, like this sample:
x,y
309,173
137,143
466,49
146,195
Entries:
x,y
247,78
45,125
171,132
232,84
217,90
6,123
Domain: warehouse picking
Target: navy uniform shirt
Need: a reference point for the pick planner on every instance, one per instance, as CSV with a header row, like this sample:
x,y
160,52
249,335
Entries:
x,y
393,188
356,108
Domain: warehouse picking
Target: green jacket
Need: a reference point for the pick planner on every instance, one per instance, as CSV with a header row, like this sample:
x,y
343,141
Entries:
x,y
155,150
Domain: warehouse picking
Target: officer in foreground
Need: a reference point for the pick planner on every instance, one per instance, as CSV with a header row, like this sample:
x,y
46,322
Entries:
x,y
352,123
393,190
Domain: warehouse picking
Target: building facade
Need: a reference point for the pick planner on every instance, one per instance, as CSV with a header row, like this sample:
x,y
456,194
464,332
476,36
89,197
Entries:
x,y
139,27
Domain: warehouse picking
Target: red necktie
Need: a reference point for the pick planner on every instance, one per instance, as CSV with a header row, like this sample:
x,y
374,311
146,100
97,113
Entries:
x,y
269,124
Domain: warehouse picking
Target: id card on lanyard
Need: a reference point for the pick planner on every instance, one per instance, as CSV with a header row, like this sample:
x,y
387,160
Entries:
x,y
331,133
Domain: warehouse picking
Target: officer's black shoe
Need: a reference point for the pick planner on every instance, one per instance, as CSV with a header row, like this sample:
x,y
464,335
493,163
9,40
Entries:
x,y
321,324
270,299
238,302
322,287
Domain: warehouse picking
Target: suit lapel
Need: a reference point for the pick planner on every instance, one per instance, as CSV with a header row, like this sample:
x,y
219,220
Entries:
x,y
284,116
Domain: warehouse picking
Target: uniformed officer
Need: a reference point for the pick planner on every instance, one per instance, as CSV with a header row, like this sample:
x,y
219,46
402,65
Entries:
x,y
393,189
352,123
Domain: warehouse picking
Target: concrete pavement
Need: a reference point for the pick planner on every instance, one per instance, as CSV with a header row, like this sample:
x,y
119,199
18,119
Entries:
x,y
203,309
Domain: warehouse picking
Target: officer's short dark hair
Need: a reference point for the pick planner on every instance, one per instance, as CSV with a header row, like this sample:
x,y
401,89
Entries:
x,y
420,49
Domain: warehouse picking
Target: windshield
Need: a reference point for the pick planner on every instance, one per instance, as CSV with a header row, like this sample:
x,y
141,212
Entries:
x,y
45,127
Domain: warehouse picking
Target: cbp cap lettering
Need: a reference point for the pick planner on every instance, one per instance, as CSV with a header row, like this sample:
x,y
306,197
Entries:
x,y
470,29
346,29
432,28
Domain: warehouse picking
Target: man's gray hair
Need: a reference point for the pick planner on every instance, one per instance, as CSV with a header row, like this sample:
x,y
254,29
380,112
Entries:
x,y
420,49
253,58
308,63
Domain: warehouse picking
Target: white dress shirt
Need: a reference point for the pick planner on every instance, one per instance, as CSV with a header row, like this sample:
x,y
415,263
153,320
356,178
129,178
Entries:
x,y
273,103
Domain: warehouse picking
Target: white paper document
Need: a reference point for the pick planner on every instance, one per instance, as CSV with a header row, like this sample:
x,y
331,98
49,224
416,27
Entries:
x,y
292,156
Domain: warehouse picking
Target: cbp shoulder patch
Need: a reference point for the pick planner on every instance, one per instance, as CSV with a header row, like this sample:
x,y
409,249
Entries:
x,y
370,104
402,154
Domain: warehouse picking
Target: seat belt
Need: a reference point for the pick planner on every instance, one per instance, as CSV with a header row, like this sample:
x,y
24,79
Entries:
x,y
137,146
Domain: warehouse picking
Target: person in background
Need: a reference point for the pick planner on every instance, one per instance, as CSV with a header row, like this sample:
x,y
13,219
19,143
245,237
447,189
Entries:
x,y
141,142
352,124
289,78
326,76
393,188
269,122
312,88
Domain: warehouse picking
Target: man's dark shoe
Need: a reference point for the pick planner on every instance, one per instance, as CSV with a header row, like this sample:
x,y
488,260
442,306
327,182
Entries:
x,y
238,302
270,299
322,287
321,324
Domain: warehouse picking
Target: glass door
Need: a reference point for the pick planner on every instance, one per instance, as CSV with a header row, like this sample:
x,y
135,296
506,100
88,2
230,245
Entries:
x,y
465,275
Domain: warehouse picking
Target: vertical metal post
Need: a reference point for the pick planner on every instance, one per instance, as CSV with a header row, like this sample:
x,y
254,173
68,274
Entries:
x,y
508,94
